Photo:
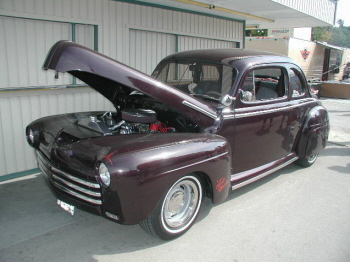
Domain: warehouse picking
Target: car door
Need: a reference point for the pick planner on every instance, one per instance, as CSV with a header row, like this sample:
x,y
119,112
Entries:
x,y
262,125
301,101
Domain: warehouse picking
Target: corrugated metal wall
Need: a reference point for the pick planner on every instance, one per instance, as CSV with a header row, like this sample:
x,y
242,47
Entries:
x,y
136,35
32,27
188,43
25,45
158,45
18,109
22,51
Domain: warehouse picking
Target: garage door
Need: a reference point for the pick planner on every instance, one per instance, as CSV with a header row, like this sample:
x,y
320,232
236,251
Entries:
x,y
148,48
24,45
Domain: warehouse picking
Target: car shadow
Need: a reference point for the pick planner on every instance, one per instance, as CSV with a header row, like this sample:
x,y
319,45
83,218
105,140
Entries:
x,y
336,149
30,218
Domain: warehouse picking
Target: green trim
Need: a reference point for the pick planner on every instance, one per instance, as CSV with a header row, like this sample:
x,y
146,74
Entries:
x,y
96,37
45,20
177,44
74,27
137,2
244,27
19,174
58,87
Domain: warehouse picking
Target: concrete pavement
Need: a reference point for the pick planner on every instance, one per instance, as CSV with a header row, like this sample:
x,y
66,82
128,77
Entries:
x,y
294,214
339,111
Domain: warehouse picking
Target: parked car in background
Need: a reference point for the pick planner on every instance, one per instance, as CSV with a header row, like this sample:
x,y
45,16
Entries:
x,y
205,123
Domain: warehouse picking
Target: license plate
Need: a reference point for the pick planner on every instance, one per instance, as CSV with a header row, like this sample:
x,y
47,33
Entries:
x,y
66,207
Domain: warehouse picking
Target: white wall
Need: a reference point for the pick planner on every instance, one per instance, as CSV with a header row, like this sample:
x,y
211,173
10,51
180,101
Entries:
x,y
274,45
136,35
292,47
313,64
303,33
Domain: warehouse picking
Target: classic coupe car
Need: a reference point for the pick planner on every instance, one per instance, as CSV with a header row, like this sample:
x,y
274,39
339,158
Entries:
x,y
205,123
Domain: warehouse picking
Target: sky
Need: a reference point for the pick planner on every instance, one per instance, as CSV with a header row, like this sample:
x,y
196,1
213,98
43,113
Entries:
x,y
343,11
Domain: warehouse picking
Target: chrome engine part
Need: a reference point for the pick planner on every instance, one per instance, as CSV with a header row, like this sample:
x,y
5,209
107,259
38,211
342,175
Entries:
x,y
134,128
95,124
133,121
135,115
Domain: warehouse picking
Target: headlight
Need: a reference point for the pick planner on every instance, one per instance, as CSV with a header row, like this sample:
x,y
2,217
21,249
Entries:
x,y
32,137
104,174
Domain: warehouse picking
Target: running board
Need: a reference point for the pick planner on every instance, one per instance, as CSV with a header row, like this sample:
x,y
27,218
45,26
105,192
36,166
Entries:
x,y
251,180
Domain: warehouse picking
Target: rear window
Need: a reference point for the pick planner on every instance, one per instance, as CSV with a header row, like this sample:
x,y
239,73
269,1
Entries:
x,y
196,77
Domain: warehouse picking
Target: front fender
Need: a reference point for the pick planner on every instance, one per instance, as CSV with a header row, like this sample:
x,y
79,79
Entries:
x,y
140,177
314,133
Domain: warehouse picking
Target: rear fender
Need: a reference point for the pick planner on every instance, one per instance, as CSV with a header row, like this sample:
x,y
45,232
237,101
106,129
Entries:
x,y
314,133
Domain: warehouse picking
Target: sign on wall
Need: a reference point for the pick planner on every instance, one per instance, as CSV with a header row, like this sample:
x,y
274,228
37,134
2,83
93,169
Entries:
x,y
305,53
279,33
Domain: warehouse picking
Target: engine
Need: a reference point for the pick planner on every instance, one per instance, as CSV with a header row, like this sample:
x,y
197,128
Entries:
x,y
133,121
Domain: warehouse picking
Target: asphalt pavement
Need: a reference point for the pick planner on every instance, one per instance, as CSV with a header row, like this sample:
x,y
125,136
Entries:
x,y
295,214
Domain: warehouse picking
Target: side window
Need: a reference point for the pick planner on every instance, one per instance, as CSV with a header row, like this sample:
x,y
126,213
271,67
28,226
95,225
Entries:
x,y
295,83
264,84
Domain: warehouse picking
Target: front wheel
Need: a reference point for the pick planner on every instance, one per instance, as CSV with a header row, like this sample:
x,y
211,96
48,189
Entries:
x,y
307,161
177,210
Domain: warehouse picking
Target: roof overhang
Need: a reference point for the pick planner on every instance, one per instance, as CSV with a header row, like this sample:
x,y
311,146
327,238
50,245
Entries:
x,y
326,45
256,13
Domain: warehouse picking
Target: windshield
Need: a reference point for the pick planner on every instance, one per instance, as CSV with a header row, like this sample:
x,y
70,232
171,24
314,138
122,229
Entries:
x,y
202,79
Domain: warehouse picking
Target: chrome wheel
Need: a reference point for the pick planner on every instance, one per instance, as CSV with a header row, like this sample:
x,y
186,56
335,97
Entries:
x,y
307,161
181,204
176,212
311,159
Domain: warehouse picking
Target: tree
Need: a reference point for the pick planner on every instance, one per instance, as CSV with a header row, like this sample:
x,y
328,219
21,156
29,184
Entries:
x,y
341,36
322,34
256,32
338,36
340,22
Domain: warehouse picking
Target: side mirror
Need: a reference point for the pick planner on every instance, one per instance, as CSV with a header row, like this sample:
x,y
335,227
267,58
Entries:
x,y
246,96
226,100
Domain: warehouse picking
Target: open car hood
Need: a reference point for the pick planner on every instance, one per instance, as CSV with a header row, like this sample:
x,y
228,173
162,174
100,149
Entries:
x,y
112,79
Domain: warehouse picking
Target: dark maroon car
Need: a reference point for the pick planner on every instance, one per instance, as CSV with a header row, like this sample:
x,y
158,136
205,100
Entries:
x,y
207,122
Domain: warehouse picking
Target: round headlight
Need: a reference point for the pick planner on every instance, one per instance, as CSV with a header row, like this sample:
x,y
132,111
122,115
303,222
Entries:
x,y
31,136
104,174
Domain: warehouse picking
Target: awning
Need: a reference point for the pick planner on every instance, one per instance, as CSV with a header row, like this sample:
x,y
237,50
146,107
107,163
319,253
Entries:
x,y
326,45
257,13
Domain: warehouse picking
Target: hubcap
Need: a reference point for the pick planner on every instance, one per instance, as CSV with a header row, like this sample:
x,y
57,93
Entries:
x,y
312,158
181,204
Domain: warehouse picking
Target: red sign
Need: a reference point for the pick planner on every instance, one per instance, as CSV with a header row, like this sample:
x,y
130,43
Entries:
x,y
304,53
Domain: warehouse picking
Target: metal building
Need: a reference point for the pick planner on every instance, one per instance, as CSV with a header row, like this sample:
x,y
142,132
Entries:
x,y
137,33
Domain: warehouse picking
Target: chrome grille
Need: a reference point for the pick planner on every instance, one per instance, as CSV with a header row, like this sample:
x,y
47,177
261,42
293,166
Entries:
x,y
70,184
